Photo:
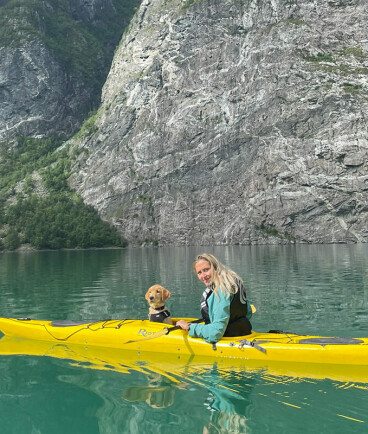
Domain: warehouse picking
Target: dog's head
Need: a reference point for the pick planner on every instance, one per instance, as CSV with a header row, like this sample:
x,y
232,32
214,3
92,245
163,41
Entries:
x,y
156,295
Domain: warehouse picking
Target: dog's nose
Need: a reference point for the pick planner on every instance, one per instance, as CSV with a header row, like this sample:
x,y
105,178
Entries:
x,y
151,297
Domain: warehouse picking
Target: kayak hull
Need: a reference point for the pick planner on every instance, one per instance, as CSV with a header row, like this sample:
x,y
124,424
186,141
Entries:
x,y
143,335
187,368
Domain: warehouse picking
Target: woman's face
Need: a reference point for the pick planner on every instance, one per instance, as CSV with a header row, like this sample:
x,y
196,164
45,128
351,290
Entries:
x,y
203,271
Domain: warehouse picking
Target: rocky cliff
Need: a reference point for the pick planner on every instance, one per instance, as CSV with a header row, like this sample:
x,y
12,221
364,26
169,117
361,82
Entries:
x,y
54,58
234,121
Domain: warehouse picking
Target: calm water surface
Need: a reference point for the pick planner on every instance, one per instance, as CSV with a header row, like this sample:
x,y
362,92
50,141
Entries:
x,y
303,289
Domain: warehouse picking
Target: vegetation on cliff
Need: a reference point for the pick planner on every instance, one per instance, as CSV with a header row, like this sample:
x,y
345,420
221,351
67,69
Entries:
x,y
37,207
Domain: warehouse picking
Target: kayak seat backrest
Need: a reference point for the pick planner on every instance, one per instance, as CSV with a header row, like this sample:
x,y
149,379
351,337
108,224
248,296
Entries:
x,y
331,341
69,323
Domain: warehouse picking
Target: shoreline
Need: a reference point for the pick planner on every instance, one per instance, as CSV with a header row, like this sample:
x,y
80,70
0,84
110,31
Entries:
x,y
29,249
34,250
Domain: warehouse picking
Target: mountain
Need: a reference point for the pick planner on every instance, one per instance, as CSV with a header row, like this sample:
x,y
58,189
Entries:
x,y
233,122
55,56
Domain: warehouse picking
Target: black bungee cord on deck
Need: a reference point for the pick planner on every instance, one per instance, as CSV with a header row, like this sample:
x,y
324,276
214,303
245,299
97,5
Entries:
x,y
88,326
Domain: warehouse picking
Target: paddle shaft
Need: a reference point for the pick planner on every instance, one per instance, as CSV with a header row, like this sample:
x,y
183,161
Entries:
x,y
171,329
163,332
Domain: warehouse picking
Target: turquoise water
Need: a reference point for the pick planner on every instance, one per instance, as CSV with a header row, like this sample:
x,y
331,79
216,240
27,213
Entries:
x,y
303,289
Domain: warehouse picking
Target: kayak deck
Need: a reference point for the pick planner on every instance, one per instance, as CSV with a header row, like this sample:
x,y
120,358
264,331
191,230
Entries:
x,y
140,335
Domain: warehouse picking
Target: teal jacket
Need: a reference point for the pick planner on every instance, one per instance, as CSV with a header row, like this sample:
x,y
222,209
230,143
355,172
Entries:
x,y
219,312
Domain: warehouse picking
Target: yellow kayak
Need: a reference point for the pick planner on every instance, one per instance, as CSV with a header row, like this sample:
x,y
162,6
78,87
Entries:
x,y
187,368
143,335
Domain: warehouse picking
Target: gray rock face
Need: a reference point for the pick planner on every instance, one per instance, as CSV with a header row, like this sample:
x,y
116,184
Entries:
x,y
40,94
90,10
37,98
234,122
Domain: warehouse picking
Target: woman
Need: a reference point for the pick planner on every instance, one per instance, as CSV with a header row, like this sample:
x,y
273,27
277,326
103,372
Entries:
x,y
224,305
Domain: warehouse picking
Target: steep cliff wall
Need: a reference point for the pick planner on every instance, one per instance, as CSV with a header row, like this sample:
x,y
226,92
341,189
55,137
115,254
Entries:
x,y
54,58
234,121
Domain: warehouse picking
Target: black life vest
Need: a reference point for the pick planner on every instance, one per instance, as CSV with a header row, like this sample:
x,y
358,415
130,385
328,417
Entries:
x,y
240,312
159,316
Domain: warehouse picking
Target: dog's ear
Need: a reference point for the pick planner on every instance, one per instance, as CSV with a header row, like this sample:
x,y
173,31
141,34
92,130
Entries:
x,y
167,293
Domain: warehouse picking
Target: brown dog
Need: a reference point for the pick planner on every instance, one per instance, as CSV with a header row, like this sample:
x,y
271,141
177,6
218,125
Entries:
x,y
156,297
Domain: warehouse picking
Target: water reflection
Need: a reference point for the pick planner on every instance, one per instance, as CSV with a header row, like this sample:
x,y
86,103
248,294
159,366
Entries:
x,y
224,390
221,401
153,391
159,393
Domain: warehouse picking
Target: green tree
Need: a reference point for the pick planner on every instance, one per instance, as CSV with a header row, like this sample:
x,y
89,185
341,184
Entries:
x,y
12,241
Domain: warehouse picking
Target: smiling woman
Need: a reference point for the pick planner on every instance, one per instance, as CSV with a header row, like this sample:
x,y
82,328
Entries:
x,y
227,312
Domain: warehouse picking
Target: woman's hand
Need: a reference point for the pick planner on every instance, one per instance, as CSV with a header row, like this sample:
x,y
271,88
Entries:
x,y
183,324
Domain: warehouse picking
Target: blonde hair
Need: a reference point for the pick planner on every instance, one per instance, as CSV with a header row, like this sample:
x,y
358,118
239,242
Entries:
x,y
222,276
